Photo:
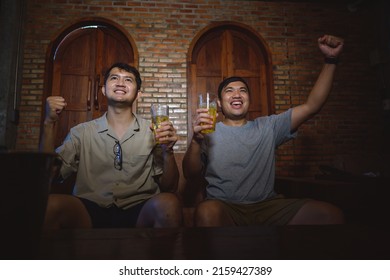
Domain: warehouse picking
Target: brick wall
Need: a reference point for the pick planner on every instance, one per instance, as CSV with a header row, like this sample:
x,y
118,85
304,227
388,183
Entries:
x,y
349,124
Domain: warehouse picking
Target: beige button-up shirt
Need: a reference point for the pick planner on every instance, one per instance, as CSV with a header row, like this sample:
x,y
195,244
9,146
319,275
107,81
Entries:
x,y
89,150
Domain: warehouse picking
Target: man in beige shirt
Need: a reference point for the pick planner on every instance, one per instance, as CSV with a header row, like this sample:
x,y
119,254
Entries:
x,y
124,179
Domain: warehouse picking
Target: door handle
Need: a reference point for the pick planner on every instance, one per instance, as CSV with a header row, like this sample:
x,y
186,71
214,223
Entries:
x,y
96,97
89,95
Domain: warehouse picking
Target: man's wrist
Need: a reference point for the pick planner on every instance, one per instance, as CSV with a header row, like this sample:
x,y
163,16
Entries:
x,y
166,149
331,60
197,140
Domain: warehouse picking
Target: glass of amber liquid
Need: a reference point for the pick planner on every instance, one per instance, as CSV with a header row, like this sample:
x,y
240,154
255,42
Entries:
x,y
208,101
160,113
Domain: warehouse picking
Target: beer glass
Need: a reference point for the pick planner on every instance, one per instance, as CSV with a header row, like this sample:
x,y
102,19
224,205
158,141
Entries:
x,y
160,113
208,101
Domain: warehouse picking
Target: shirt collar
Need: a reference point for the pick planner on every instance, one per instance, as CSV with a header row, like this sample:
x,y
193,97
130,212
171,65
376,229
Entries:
x,y
102,123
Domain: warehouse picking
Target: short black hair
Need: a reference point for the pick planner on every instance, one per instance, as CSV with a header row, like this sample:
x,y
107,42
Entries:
x,y
229,80
127,68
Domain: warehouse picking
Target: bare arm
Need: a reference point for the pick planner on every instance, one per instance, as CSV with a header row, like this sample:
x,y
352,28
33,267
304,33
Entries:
x,y
192,164
54,106
169,180
331,47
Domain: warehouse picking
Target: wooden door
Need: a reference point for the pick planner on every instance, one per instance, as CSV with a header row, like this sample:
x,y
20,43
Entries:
x,y
79,64
230,50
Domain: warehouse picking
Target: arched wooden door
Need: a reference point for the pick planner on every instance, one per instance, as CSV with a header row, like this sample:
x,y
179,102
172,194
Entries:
x,y
78,62
229,49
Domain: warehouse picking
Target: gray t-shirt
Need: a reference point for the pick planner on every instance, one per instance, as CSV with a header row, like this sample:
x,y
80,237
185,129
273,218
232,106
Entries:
x,y
240,161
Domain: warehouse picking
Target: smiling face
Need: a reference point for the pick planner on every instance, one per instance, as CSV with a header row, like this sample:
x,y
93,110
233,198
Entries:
x,y
120,87
234,101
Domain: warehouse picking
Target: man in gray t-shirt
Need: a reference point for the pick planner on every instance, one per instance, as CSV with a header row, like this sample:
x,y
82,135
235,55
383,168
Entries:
x,y
244,156
238,159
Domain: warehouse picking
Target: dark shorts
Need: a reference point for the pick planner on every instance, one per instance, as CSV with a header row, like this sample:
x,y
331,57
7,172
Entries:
x,y
112,217
275,211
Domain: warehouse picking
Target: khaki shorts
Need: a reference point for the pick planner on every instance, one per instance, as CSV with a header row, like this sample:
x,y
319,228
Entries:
x,y
275,211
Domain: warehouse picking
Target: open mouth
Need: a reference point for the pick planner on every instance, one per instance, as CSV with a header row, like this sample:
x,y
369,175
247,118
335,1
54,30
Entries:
x,y
120,91
236,104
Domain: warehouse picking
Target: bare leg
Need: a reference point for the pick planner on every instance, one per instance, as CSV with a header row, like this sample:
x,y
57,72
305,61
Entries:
x,y
316,213
162,210
66,211
211,213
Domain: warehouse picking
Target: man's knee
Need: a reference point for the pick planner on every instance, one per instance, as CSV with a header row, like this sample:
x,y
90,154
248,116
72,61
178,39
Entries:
x,y
66,211
207,209
163,210
167,202
211,213
318,212
55,205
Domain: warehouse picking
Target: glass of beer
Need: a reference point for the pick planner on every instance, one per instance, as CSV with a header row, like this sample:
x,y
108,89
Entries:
x,y
208,101
160,113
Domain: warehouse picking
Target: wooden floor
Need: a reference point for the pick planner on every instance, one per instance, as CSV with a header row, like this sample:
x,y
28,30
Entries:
x,y
260,242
